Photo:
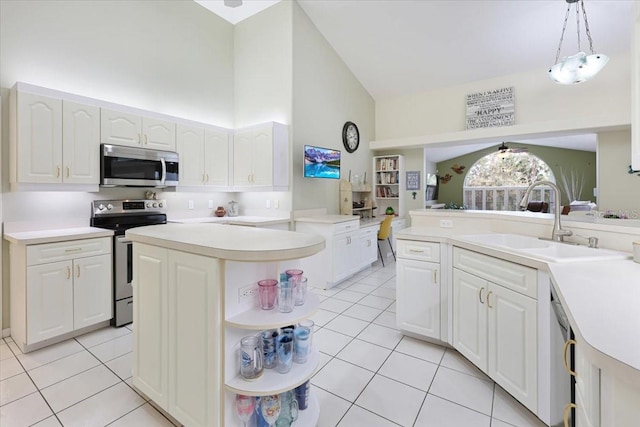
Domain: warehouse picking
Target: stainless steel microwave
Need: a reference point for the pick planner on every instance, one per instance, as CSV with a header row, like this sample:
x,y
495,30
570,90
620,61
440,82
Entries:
x,y
137,167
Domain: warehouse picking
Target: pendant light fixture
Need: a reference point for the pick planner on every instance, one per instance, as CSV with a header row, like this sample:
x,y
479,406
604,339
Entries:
x,y
580,67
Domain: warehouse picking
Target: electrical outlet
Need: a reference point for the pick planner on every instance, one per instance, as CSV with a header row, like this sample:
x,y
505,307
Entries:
x,y
268,204
446,223
246,293
210,204
190,204
276,203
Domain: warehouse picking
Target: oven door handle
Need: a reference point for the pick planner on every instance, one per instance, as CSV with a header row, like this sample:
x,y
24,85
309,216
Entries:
x,y
123,240
164,170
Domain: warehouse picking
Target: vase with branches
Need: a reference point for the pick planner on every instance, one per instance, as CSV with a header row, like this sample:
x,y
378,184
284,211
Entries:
x,y
572,184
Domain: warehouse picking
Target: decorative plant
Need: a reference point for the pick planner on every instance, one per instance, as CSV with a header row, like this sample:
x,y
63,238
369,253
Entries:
x,y
572,184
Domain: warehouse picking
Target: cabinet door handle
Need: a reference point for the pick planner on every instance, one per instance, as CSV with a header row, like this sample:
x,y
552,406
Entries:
x,y
564,356
146,139
435,276
202,180
68,272
78,269
67,168
488,303
139,139
567,411
57,171
480,295
207,177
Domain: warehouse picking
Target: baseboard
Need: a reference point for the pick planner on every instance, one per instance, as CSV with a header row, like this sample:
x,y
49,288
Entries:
x,y
6,333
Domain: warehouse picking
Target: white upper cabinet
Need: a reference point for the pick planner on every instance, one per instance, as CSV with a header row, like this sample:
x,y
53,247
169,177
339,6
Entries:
x,y
204,156
261,157
53,141
80,143
133,130
36,143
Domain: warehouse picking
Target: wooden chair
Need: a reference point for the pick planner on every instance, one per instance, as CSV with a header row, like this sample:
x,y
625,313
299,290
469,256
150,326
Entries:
x,y
384,234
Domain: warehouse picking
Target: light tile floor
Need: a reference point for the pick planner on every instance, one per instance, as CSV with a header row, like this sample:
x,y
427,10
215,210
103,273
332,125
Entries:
x,y
370,375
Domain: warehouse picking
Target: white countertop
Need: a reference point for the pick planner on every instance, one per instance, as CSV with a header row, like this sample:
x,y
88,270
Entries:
x,y
328,219
56,235
235,220
601,298
230,242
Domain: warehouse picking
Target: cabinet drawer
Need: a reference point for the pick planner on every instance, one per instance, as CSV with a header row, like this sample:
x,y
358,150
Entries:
x,y
513,276
342,227
420,251
60,251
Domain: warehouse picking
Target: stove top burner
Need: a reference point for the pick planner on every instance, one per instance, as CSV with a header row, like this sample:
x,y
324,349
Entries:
x,y
121,215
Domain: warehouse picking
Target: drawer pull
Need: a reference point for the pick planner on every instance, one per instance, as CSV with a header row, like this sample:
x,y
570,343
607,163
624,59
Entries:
x,y
488,303
567,411
480,295
418,251
564,357
73,250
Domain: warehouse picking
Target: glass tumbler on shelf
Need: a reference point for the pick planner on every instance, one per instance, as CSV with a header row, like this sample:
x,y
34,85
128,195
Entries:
x,y
302,395
251,365
245,405
295,277
302,335
284,351
267,292
285,296
300,291
269,347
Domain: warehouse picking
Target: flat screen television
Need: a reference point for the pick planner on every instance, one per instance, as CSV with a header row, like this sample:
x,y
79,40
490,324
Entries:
x,y
321,162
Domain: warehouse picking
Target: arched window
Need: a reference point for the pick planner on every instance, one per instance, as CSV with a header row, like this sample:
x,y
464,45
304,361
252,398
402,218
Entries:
x,y
498,181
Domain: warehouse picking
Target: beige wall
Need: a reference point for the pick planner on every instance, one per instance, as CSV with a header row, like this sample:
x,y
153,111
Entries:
x,y
325,95
618,190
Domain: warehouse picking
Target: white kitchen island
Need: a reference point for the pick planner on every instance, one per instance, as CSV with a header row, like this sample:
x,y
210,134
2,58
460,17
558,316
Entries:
x,y
189,316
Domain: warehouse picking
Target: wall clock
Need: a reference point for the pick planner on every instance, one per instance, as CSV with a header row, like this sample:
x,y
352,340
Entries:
x,y
350,136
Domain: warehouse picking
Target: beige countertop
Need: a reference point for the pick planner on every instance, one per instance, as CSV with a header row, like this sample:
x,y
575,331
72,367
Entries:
x,y
56,235
230,242
234,220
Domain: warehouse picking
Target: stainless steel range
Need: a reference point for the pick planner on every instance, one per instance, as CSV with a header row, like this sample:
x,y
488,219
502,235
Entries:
x,y
119,216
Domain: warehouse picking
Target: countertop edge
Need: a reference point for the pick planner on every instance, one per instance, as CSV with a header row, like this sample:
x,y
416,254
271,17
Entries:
x,y
56,235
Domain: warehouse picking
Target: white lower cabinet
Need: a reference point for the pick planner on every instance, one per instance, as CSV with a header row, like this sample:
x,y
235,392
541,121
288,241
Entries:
x,y
59,288
494,326
177,333
349,249
418,294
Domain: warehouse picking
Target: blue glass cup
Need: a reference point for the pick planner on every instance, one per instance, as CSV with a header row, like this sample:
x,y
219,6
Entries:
x,y
284,351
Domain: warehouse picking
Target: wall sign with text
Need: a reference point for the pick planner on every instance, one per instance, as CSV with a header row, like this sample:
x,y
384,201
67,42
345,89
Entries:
x,y
491,108
413,180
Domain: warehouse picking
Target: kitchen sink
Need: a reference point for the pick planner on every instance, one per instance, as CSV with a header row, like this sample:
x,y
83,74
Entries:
x,y
544,250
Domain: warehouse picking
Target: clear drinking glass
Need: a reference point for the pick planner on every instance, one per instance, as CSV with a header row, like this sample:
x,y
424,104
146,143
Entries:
x,y
284,351
302,335
295,277
285,297
245,405
269,347
270,407
300,291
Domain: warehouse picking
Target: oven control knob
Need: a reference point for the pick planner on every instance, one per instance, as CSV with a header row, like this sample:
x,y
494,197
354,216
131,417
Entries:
x,y
155,205
100,207
161,205
109,206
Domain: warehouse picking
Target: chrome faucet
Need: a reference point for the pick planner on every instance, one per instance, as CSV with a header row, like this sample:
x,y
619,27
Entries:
x,y
558,233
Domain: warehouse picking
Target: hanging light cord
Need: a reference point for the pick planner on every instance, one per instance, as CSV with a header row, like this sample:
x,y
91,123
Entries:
x,y
586,26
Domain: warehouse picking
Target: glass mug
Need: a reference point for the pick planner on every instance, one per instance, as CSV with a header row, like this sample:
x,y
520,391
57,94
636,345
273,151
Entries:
x,y
288,409
251,364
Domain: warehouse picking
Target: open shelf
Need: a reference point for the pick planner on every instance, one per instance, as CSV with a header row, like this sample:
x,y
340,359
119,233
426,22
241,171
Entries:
x,y
273,382
257,318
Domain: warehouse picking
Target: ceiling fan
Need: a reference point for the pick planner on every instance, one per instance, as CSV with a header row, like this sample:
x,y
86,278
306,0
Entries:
x,y
503,149
233,3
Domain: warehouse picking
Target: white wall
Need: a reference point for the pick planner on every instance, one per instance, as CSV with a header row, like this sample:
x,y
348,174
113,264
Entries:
x,y
168,56
618,190
325,95
537,100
